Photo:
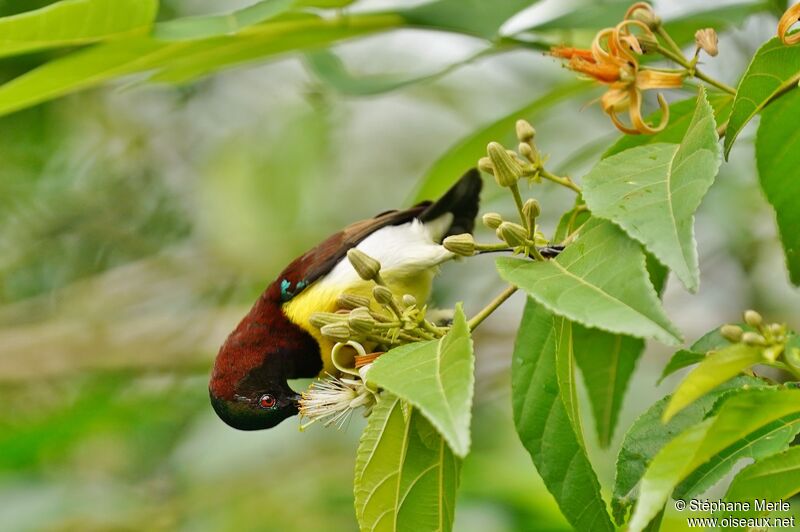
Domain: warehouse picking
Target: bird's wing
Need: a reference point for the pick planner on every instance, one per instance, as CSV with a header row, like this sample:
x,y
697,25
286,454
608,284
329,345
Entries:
x,y
320,260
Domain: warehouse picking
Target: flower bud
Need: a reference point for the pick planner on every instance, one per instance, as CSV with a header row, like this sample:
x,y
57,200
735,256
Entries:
x,y
707,40
732,333
643,12
507,169
409,300
365,266
492,220
753,318
525,131
338,332
753,338
321,319
361,320
526,151
531,210
383,295
462,244
513,234
485,165
351,301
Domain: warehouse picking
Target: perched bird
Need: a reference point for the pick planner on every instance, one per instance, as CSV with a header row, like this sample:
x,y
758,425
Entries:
x,y
275,341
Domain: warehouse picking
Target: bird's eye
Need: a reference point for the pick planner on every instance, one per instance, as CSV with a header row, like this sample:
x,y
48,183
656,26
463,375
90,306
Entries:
x,y
267,402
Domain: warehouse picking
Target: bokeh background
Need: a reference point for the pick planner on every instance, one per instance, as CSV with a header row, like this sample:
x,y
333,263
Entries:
x,y
139,222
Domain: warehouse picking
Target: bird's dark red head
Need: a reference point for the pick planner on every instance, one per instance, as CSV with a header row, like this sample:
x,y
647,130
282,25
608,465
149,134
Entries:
x,y
248,385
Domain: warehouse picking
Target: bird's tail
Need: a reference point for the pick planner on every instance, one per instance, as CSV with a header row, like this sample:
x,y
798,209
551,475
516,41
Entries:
x,y
461,201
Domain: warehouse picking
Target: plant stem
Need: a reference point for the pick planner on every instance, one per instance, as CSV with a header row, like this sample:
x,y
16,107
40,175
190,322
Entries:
x,y
563,181
518,201
694,71
491,307
722,129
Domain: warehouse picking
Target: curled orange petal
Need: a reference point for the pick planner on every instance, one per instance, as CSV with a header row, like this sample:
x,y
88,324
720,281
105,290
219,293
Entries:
x,y
654,79
568,52
788,19
604,73
636,114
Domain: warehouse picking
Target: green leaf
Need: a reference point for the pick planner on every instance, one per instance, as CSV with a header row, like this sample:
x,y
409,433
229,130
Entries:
x,y
740,416
778,158
680,116
774,70
437,377
177,60
74,22
648,435
711,341
599,281
466,152
214,25
653,191
476,17
775,478
607,362
768,440
716,368
330,69
405,476
543,422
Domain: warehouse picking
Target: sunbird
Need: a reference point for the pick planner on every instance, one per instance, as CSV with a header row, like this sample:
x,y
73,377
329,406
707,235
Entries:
x,y
275,341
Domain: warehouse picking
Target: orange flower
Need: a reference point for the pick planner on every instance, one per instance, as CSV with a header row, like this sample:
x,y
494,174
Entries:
x,y
788,19
613,61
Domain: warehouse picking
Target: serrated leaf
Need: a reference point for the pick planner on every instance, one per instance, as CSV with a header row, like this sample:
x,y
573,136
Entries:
x,y
653,191
599,281
680,116
73,23
405,476
543,422
648,435
775,478
769,439
607,362
466,152
778,159
437,377
716,368
775,68
741,415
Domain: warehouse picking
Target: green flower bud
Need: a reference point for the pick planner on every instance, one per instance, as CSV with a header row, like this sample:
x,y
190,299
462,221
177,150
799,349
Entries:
x,y
383,295
351,301
753,318
462,244
507,169
338,332
753,338
361,320
409,300
732,333
366,267
531,210
492,220
321,319
513,234
485,165
525,131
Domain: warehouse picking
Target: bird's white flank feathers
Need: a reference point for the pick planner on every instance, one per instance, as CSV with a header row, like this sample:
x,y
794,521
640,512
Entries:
x,y
402,250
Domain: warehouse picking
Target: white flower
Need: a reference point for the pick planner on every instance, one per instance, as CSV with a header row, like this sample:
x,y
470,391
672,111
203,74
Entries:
x,y
332,400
